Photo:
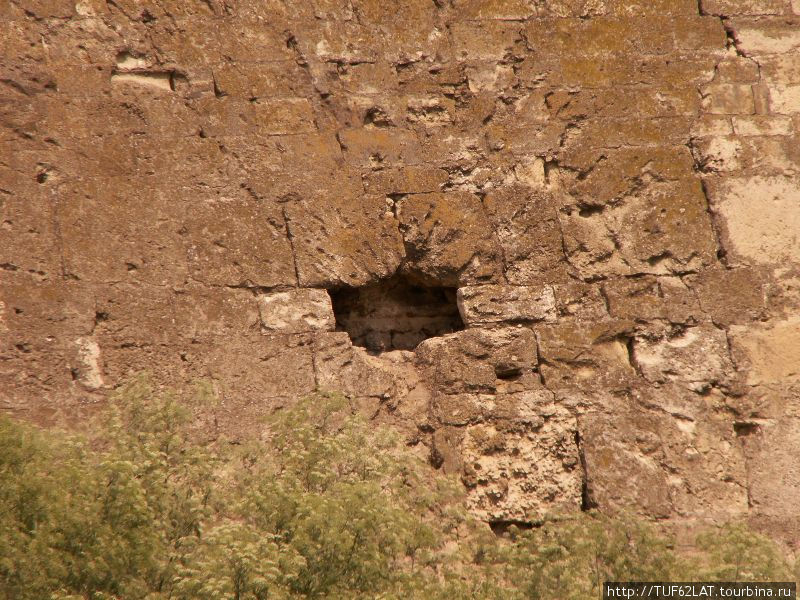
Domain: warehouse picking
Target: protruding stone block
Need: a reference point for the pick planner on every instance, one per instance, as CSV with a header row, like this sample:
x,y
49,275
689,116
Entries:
x,y
483,304
698,358
296,311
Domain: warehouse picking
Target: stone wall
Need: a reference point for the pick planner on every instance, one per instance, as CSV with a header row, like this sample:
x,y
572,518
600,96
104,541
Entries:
x,y
605,190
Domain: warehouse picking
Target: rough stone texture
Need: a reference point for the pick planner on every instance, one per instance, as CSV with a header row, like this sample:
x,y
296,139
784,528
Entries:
x,y
296,311
248,192
480,305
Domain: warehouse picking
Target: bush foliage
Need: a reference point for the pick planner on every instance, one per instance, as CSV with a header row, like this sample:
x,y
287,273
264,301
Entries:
x,y
327,506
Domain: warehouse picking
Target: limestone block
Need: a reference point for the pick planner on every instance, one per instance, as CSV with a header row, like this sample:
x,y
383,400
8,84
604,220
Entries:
x,y
510,411
341,367
649,299
516,10
460,409
253,368
526,224
484,40
728,99
27,223
697,358
651,7
296,311
523,475
378,148
607,176
408,180
447,238
285,116
343,239
113,232
764,125
580,301
201,312
478,360
718,154
738,69
692,33
91,373
756,37
484,304
44,309
586,355
682,460
236,240
769,351
732,296
771,448
662,228
262,80
712,126
785,100
781,69
732,8
760,218
130,315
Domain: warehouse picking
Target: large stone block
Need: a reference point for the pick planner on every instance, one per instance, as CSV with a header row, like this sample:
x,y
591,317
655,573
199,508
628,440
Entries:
x,y
770,351
728,99
732,8
698,358
526,224
296,311
784,100
759,218
771,35
479,360
447,238
586,356
341,367
682,460
521,476
485,304
238,240
344,240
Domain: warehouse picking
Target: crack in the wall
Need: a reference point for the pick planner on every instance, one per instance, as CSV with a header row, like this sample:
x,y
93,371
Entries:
x,y
290,237
587,501
716,227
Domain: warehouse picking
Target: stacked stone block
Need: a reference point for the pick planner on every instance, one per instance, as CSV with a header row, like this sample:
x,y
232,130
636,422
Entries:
x,y
610,184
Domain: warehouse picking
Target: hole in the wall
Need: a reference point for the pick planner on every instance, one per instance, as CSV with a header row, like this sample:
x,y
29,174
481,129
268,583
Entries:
x,y
509,528
395,314
745,428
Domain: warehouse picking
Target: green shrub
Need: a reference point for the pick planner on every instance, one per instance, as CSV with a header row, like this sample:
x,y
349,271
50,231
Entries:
x,y
327,506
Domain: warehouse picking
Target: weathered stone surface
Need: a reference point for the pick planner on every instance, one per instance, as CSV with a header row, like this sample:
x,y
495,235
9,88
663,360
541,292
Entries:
x,y
595,355
485,304
521,475
478,360
772,350
286,196
697,357
759,218
447,238
345,240
527,228
296,311
681,460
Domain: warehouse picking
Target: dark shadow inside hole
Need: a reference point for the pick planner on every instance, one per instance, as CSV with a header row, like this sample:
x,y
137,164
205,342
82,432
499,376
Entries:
x,y
395,314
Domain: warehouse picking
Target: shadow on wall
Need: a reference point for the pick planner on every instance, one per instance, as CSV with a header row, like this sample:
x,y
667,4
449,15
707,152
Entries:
x,y
395,314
